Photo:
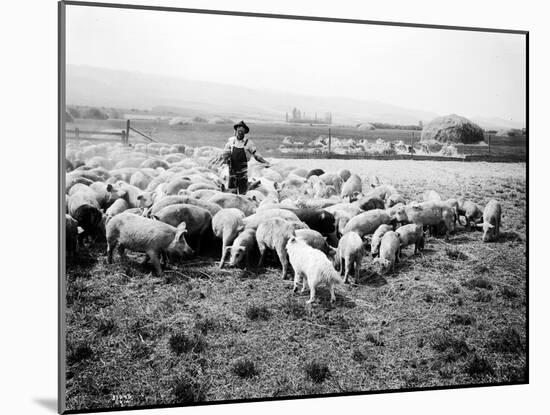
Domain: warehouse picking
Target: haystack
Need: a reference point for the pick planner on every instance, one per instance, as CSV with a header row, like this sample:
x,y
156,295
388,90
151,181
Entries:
x,y
366,127
179,121
452,129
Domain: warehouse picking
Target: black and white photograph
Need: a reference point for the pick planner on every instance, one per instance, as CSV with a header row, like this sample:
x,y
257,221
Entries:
x,y
267,207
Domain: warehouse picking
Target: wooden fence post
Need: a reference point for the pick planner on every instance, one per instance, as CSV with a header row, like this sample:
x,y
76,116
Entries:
x,y
329,141
123,135
127,131
489,145
77,134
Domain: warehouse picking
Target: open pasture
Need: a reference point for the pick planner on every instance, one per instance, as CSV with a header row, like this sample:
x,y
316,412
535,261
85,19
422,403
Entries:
x,y
269,136
453,315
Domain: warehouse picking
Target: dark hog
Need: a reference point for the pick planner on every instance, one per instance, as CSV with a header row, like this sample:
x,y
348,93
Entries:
x,y
317,219
198,221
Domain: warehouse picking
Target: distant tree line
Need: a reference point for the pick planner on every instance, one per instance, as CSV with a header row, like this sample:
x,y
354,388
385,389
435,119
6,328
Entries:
x,y
386,126
297,116
517,132
93,113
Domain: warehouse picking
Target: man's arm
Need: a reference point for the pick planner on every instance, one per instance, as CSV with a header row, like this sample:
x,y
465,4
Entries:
x,y
254,152
260,158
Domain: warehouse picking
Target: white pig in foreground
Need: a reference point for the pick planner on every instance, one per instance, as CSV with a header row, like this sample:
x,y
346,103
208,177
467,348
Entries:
x,y
313,266
491,220
389,251
140,234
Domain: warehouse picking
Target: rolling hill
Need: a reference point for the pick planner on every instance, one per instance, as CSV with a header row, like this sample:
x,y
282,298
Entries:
x,y
87,85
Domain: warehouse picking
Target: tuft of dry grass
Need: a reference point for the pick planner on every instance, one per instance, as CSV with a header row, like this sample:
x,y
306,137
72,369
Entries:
x,y
79,353
255,312
479,282
317,372
182,343
483,297
506,341
479,366
455,254
244,368
462,319
186,390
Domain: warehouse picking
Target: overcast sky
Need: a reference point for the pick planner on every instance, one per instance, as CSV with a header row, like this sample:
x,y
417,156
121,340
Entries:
x,y
443,71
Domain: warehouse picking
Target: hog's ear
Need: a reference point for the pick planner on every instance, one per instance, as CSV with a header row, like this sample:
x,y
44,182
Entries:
x,y
181,230
79,230
109,187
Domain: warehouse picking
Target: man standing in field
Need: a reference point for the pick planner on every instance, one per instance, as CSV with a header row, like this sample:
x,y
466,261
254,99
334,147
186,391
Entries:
x,y
237,153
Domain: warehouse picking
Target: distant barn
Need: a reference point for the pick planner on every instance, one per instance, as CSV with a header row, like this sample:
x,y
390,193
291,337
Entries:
x,y
219,120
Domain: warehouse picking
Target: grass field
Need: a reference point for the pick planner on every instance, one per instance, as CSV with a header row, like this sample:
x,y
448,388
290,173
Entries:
x,y
454,315
268,137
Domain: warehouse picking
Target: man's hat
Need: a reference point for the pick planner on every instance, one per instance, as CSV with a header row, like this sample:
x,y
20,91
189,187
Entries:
x,y
242,124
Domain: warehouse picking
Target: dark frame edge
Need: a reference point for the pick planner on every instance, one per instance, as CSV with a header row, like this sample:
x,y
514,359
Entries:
x,y
290,17
528,136
61,302
294,397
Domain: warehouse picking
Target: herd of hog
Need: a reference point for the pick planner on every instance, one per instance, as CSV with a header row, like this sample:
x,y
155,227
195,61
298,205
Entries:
x,y
169,201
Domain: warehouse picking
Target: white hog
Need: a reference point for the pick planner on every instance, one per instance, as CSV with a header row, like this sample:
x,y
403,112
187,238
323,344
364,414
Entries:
x,y
352,186
274,233
155,238
491,220
350,253
313,267
377,239
227,224
389,251
411,234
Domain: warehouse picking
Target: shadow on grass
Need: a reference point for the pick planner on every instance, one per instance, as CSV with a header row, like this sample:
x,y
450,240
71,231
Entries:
x,y
508,237
371,279
461,239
